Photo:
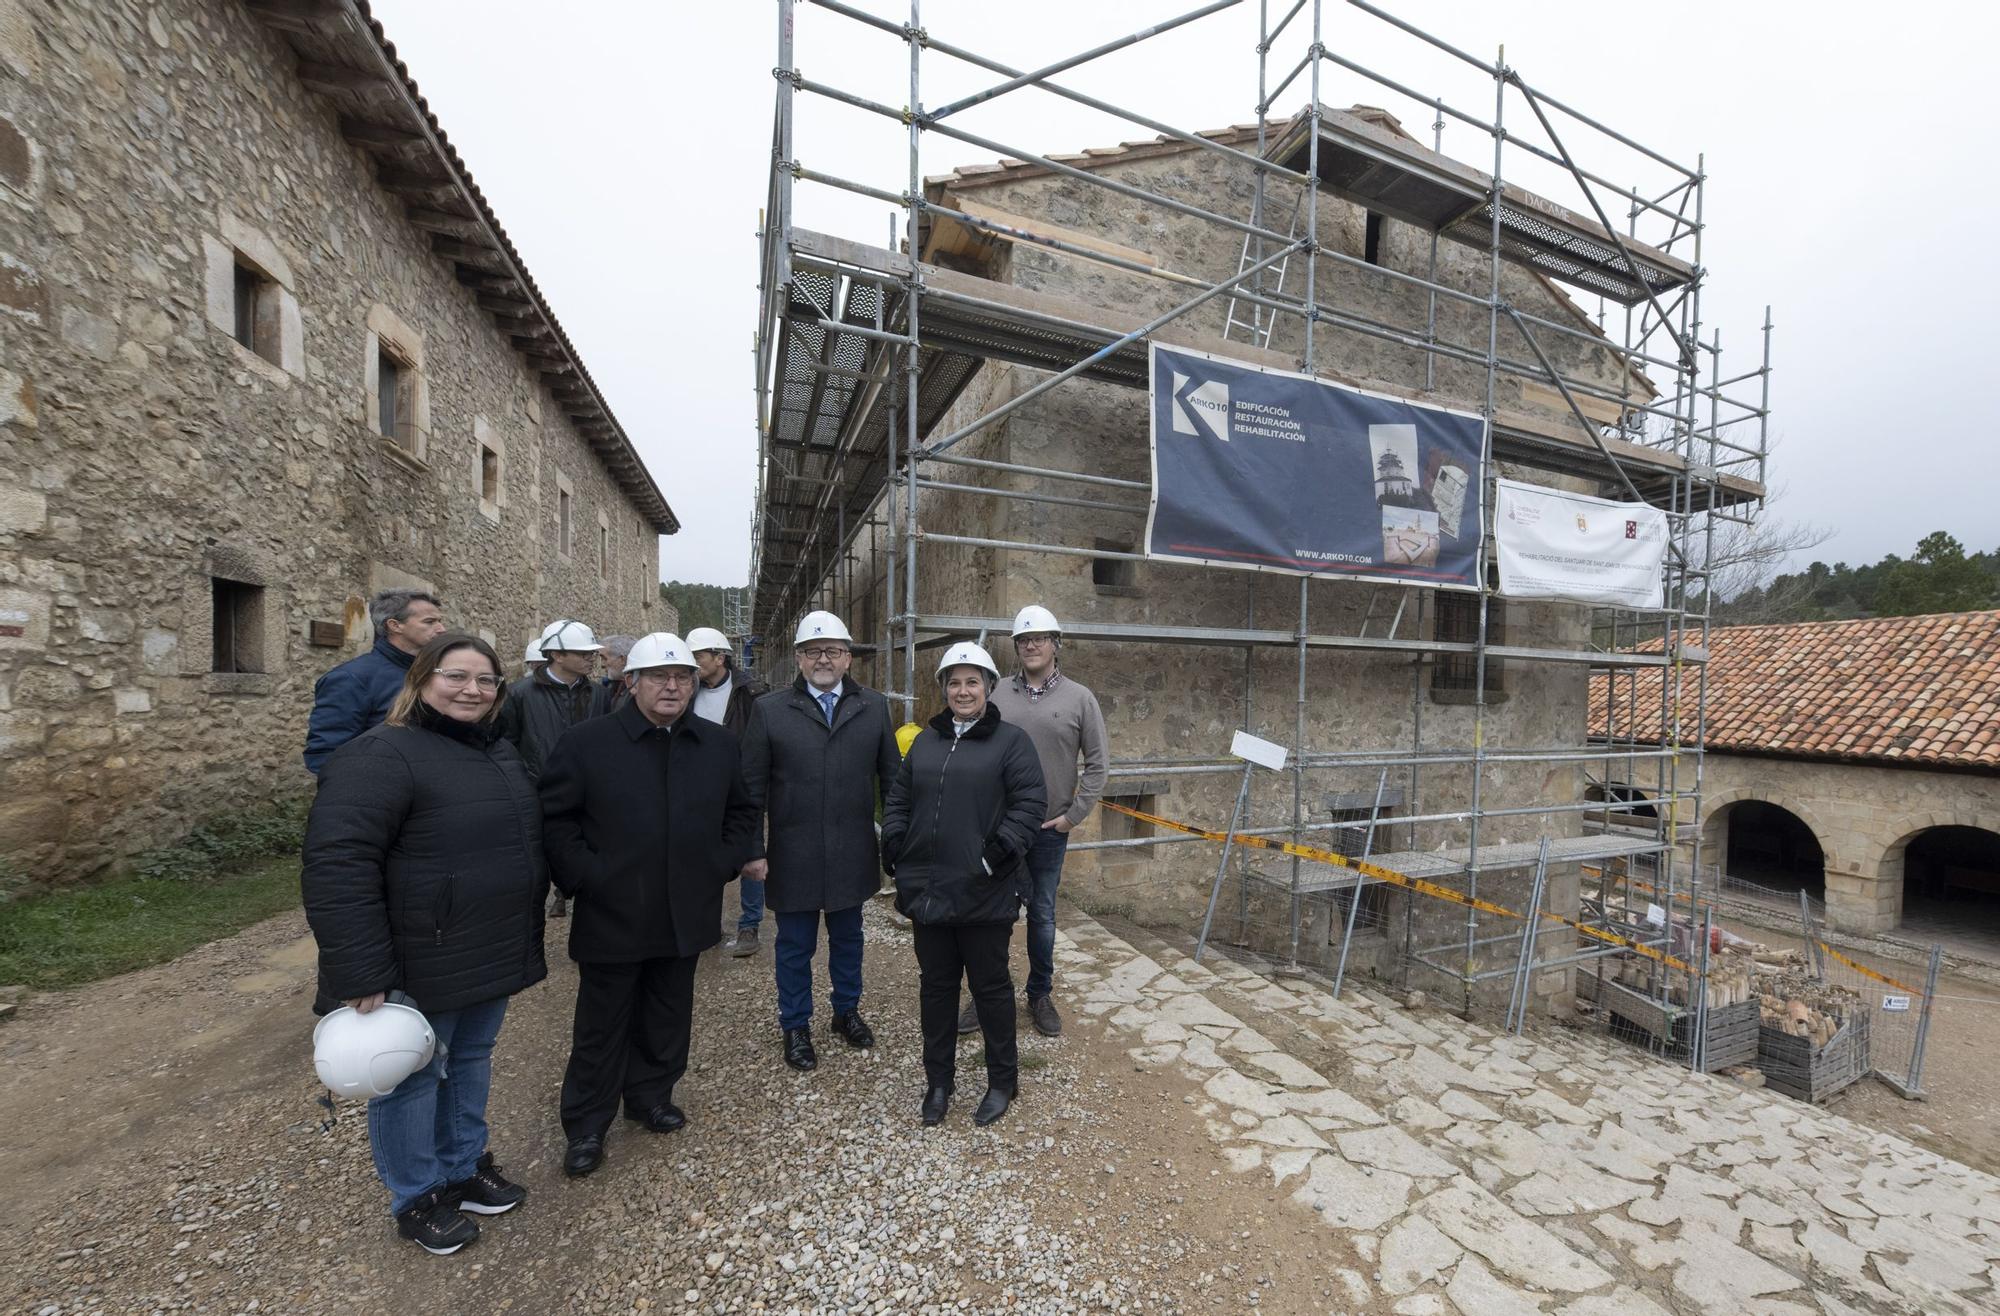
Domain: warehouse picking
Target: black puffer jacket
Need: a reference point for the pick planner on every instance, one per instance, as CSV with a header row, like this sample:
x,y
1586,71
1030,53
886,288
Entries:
x,y
645,827
959,820
539,709
424,868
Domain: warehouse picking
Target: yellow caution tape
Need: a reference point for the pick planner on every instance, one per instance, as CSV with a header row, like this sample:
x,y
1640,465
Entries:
x,y
1402,880
1865,971
1855,965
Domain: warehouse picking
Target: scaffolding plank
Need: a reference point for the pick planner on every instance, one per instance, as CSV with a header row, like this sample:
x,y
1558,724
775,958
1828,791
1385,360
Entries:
x,y
1393,174
1433,865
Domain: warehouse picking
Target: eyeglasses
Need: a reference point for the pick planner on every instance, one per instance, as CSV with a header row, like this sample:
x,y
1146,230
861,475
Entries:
x,y
456,680
667,676
1033,641
826,655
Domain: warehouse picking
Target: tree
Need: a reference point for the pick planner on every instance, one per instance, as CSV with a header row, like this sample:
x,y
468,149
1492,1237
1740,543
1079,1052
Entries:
x,y
1940,578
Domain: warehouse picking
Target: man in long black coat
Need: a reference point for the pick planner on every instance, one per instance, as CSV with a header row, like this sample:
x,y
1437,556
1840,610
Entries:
x,y
814,755
645,819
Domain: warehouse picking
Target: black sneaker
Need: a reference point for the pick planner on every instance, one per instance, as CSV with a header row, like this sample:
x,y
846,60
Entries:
x,y
435,1225
487,1192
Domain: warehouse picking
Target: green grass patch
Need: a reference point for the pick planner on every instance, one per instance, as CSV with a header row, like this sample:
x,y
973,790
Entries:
x,y
75,935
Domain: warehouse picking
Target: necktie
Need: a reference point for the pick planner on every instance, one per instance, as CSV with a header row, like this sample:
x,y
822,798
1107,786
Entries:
x,y
826,703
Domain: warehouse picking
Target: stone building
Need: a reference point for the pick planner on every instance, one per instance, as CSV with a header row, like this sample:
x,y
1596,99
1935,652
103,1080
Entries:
x,y
1373,679
1859,761
264,349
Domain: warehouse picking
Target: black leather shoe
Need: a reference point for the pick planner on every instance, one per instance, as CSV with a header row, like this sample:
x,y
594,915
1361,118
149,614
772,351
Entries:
x,y
799,1050
936,1102
584,1155
850,1029
663,1118
992,1106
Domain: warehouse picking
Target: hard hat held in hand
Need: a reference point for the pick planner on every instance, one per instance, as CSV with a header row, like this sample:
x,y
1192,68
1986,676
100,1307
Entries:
x,y
1036,620
568,637
820,626
703,638
964,653
367,1055
660,649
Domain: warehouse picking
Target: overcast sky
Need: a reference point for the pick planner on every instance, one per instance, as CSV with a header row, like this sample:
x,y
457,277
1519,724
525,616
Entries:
x,y
625,143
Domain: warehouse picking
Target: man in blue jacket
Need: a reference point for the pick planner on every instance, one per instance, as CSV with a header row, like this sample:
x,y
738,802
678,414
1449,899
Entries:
x,y
356,695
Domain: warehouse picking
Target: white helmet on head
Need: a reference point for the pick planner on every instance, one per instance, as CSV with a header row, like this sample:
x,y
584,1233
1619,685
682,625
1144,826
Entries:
x,y
568,637
1036,620
534,653
367,1055
820,626
704,638
966,653
660,649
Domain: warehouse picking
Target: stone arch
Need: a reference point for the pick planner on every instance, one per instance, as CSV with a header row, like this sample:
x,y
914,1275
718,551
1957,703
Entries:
x,y
1714,836
1889,864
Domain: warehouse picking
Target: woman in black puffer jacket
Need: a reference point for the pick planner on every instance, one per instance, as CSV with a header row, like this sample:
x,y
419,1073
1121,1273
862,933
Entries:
x,y
956,828
424,876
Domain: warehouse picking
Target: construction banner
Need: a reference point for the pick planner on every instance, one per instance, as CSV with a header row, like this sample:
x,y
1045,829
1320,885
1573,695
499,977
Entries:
x,y
1571,546
1267,470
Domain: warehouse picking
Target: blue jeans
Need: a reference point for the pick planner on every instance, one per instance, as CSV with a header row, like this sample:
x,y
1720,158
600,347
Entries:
x,y
1045,861
431,1131
798,940
751,892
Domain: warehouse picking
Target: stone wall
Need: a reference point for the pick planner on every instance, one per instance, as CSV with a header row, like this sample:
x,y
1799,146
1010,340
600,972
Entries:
x,y
1164,700
145,150
1862,815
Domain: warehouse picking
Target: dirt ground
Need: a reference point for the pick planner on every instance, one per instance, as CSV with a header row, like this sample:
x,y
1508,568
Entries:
x,y
165,1150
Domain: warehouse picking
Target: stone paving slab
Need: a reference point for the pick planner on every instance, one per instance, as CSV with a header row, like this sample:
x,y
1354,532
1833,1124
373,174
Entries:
x,y
1476,1173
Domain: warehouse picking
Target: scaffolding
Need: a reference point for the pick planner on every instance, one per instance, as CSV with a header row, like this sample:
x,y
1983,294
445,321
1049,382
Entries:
x,y
863,353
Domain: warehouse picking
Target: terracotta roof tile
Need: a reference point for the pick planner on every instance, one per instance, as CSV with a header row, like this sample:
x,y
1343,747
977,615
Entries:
x,y
1885,689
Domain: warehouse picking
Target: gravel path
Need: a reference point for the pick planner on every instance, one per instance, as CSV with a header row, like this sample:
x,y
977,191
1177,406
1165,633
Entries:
x,y
166,1153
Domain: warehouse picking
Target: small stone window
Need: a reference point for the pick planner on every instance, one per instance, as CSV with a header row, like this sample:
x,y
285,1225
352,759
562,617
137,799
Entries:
x,y
1371,242
603,546
565,520
489,474
236,626
258,318
1455,676
1115,826
396,388
1114,575
396,398
249,296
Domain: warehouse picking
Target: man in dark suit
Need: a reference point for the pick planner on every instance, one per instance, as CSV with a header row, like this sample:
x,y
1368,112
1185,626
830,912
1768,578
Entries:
x,y
814,755
645,819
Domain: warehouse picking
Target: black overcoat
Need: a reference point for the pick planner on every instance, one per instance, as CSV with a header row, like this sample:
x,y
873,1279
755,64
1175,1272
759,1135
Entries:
x,y
959,819
644,827
817,787
423,867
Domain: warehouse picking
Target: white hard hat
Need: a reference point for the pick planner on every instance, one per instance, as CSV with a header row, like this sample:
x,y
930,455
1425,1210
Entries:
x,y
821,626
660,649
534,653
568,637
1036,620
964,653
367,1055
707,637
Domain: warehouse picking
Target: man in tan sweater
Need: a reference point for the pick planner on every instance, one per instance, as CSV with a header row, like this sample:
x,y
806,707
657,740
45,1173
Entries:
x,y
1061,717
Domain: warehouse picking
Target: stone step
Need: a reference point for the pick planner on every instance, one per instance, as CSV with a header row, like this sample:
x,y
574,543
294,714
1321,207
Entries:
x,y
1557,1174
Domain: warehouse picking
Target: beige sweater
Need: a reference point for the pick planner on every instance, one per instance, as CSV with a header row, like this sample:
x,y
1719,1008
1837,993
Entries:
x,y
1065,723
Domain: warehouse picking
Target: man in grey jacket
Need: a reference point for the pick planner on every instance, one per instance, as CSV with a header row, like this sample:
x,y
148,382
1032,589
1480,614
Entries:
x,y
1062,718
814,754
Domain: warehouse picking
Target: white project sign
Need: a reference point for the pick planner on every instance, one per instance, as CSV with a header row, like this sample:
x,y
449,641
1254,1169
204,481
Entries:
x,y
1895,1002
1570,546
1261,752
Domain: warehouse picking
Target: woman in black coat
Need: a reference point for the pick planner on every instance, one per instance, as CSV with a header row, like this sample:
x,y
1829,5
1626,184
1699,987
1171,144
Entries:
x,y
424,876
956,828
